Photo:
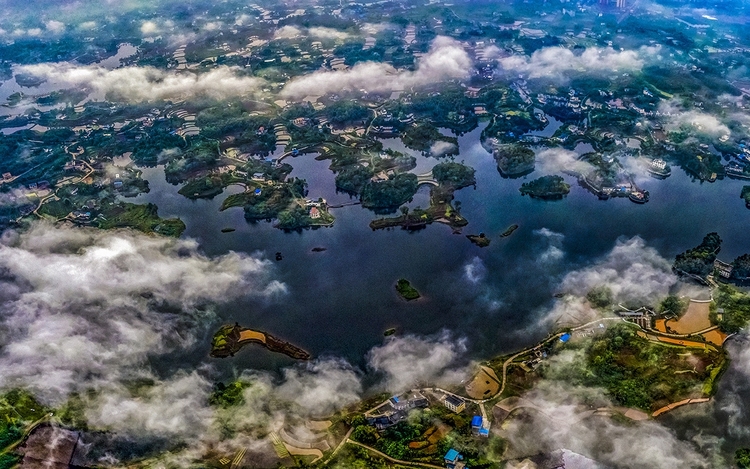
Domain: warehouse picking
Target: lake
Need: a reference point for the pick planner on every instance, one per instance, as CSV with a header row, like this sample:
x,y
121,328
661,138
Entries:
x,y
341,300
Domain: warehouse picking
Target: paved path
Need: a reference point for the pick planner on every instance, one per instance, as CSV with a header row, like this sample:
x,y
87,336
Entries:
x,y
396,461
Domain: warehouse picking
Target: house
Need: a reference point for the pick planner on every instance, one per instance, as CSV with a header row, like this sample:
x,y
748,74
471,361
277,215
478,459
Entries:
x,y
7,176
314,213
454,403
723,269
476,422
453,459
258,177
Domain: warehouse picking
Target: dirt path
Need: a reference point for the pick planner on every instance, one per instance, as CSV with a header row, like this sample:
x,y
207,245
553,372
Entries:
x,y
396,461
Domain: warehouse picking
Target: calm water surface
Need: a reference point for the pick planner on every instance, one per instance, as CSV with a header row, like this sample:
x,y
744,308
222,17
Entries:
x,y
341,300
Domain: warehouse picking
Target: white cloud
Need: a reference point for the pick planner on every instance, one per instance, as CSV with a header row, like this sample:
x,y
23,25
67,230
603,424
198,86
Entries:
x,y
554,62
138,84
633,271
287,32
84,308
441,147
475,271
446,60
677,117
409,360
563,420
321,387
320,32
556,160
553,252
148,28
55,27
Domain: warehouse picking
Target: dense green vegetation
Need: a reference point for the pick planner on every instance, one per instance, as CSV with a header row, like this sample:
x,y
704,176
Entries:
x,y
390,193
352,179
455,174
600,297
700,259
736,306
228,395
423,135
203,188
18,409
141,217
546,187
427,435
741,267
480,240
673,304
407,292
346,112
638,373
742,458
745,195
514,160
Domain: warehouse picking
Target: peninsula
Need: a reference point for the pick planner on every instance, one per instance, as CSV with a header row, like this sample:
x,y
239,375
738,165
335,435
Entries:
x,y
229,339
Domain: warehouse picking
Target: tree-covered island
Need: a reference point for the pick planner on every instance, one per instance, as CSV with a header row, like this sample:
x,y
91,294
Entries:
x,y
546,187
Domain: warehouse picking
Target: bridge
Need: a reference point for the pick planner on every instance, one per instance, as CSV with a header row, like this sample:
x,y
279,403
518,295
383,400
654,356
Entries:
x,y
426,178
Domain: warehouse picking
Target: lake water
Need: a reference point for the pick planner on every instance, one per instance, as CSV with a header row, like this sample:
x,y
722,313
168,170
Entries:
x,y
340,301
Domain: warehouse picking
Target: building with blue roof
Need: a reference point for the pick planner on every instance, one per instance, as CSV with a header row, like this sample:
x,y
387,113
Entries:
x,y
565,337
476,421
453,460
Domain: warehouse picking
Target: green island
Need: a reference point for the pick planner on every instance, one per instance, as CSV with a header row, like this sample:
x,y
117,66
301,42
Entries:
x,y
141,217
423,136
230,339
745,195
514,160
699,261
546,187
480,240
407,292
449,177
509,231
389,193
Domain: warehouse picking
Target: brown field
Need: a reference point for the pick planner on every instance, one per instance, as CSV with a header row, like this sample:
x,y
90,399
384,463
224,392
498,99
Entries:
x,y
484,384
715,337
247,334
695,319
669,340
661,325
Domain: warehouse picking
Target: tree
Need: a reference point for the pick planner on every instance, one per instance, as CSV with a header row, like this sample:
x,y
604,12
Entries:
x,y
600,296
673,304
742,458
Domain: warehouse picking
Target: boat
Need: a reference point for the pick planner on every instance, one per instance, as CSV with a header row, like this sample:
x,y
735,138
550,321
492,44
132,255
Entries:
x,y
227,230
639,197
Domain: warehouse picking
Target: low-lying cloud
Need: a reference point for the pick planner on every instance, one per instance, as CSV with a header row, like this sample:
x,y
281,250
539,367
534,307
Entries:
x,y
446,60
137,84
410,360
555,62
677,117
555,160
83,308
